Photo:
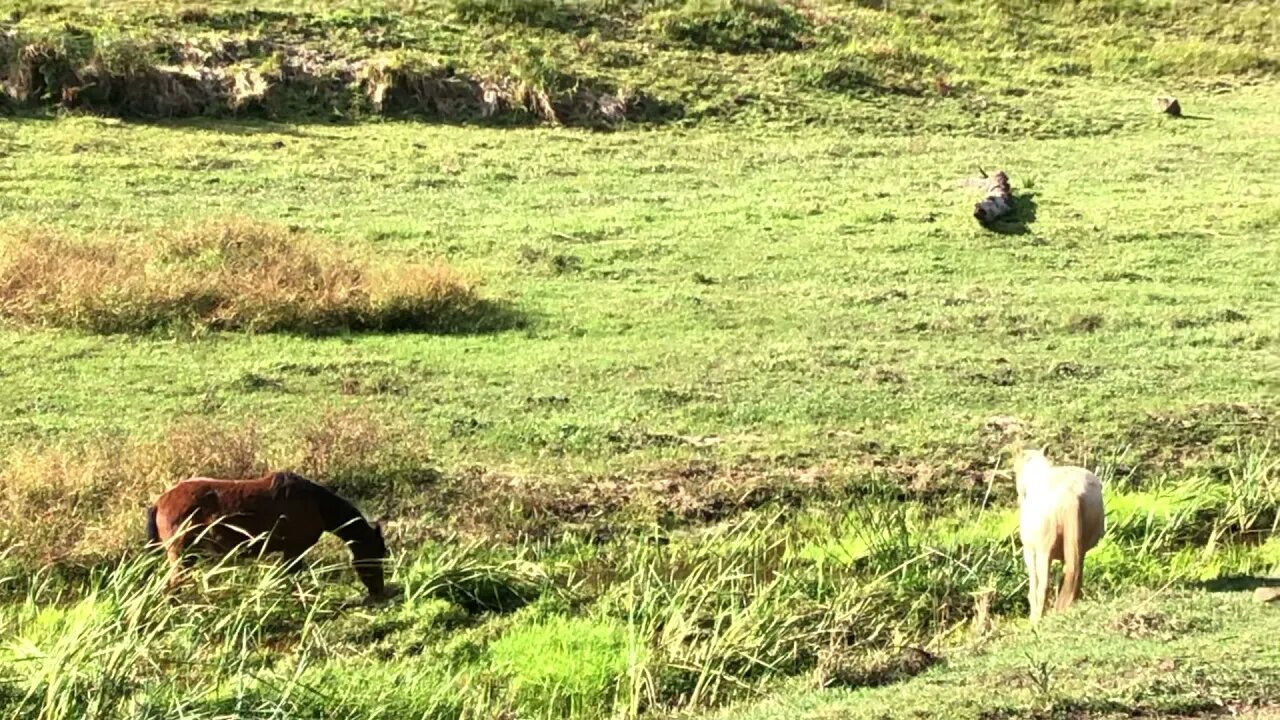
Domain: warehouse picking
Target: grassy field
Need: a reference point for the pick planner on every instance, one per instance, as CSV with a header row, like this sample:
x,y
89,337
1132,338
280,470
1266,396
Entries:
x,y
700,415
1178,655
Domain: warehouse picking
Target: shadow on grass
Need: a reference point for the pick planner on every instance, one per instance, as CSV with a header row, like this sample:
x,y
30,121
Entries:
x,y
1016,222
1237,583
481,317
1081,708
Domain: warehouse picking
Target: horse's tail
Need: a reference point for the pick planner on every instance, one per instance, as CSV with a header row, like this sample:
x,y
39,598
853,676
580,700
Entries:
x,y
153,530
1072,558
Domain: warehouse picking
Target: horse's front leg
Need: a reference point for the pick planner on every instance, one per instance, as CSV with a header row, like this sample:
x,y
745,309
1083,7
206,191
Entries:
x,y
295,563
1033,585
1043,561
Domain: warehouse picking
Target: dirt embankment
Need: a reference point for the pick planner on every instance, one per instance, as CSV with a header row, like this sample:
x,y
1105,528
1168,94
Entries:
x,y
210,76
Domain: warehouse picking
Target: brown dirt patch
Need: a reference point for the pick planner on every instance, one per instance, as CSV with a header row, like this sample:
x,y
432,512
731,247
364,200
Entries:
x,y
210,75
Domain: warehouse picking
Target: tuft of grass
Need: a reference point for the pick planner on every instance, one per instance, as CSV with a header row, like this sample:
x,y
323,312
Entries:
x,y
107,648
553,14
564,667
885,69
726,614
467,577
735,26
225,275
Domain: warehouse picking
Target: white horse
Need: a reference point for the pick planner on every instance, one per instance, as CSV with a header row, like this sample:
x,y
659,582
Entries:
x,y
1061,517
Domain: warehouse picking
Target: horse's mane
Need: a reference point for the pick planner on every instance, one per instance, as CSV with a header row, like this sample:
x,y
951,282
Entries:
x,y
337,513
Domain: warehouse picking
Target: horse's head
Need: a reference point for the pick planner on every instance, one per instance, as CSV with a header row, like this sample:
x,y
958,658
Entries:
x,y
368,554
1028,461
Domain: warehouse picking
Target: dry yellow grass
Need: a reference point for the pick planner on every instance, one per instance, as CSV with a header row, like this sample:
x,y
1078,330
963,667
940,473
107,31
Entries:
x,y
223,275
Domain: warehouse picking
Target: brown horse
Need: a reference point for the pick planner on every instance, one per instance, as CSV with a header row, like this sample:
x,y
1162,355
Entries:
x,y
280,513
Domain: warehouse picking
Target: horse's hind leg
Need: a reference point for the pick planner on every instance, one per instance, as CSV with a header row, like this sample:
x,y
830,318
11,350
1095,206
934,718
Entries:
x,y
180,562
1033,585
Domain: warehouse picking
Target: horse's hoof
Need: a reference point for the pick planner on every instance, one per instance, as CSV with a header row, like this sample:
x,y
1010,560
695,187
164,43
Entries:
x,y
387,593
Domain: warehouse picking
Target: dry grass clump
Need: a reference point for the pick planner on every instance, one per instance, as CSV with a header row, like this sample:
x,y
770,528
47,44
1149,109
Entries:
x,y
83,503
227,275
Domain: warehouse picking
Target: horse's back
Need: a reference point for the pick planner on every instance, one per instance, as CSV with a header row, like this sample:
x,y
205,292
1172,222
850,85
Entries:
x,y
1063,484
1067,490
204,492
255,506
1086,488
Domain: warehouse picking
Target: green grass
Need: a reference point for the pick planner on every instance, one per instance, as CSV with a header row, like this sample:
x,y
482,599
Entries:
x,y
717,617
565,667
742,439
798,292
1149,654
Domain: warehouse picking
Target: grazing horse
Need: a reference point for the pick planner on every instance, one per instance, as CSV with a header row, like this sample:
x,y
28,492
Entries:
x,y
1060,518
282,512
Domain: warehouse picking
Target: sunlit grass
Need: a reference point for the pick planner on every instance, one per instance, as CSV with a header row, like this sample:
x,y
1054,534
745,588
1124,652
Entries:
x,y
733,428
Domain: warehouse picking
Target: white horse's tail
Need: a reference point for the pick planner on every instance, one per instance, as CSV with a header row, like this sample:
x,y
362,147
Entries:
x,y
1072,559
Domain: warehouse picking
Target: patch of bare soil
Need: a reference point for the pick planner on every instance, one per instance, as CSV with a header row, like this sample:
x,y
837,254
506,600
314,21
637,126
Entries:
x,y
1186,436
505,507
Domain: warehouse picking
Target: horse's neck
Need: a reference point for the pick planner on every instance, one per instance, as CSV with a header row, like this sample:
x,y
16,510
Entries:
x,y
339,516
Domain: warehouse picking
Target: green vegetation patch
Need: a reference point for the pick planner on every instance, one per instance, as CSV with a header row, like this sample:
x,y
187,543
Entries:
x,y
1102,660
563,15
735,26
568,667
744,442
696,620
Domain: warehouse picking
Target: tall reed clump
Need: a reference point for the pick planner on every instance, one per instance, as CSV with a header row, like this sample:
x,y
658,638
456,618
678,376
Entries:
x,y
738,608
121,648
228,275
1189,529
